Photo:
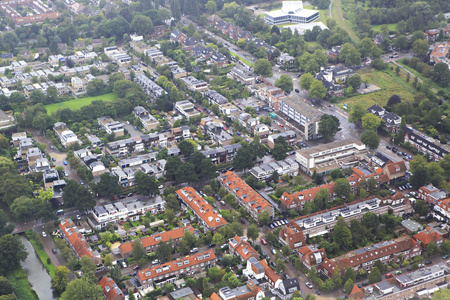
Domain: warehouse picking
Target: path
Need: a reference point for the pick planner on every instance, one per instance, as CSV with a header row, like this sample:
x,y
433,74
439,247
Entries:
x,y
329,8
341,20
411,74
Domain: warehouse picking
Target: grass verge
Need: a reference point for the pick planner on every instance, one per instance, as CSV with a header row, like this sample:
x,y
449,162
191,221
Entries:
x,y
336,12
79,103
248,63
21,285
43,256
422,77
391,27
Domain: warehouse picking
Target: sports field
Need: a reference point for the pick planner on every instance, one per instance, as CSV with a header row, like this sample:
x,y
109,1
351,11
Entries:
x,y
79,103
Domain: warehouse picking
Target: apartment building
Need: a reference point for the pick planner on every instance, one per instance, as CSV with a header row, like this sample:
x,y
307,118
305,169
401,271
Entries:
x,y
291,12
321,223
186,109
441,210
239,246
169,272
207,216
150,243
242,75
214,97
147,120
431,194
265,171
324,158
223,154
270,94
248,198
178,72
195,84
149,87
111,126
119,212
66,136
425,144
303,114
78,243
289,136
91,161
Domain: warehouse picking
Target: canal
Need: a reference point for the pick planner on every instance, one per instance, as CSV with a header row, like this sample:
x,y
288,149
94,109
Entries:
x,y
37,275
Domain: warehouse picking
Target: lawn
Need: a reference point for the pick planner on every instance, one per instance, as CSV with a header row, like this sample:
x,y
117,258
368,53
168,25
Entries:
x,y
391,27
389,83
242,59
39,248
79,103
314,45
21,285
323,13
421,76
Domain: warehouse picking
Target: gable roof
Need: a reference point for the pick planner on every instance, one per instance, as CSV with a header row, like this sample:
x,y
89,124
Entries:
x,y
243,248
427,236
396,167
356,293
110,289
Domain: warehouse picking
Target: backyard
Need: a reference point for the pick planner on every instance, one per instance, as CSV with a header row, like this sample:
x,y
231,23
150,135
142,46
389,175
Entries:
x,y
79,103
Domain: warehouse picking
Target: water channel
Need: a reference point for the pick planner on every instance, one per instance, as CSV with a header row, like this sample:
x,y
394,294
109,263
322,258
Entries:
x,y
37,275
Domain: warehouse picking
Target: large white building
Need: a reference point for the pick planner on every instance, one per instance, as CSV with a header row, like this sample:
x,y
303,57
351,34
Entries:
x,y
291,12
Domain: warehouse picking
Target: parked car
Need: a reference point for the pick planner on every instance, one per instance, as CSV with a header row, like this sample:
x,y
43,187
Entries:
x,y
155,262
54,250
195,250
136,267
445,256
263,241
65,163
222,202
389,275
271,226
130,194
160,186
309,284
211,245
420,265
273,251
122,196
273,264
44,234
398,272
428,262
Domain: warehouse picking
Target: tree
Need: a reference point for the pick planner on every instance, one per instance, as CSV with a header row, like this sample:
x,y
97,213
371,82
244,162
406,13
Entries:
x,y
281,266
186,173
371,139
262,67
107,186
186,147
322,198
285,83
218,239
342,234
252,232
280,148
214,274
306,80
108,260
170,216
243,159
348,286
421,207
328,126
420,47
175,9
354,82
164,251
12,251
264,218
441,295
349,275
83,288
394,99
61,279
317,89
139,253
441,74
445,247
350,55
5,228
370,121
357,112
141,25
370,221
211,7
77,195
374,275
147,185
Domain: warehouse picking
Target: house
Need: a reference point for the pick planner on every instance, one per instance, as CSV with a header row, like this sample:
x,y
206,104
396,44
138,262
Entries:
x,y
208,218
395,170
242,75
110,289
249,291
214,97
248,198
440,52
311,256
289,136
265,171
91,161
292,235
111,126
186,109
262,130
78,45
427,236
218,59
287,288
391,121
66,136
178,72
431,194
285,60
6,119
150,87
333,88
425,144
239,246
150,243
195,84
169,272
147,120
177,36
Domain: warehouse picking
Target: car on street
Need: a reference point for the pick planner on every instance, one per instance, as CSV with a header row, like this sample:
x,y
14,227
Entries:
x,y
428,262
194,250
421,265
389,275
273,251
54,250
122,196
398,272
130,194
136,267
222,202
309,284
155,262
160,187
211,245
263,241
273,264
66,174
271,226
445,256
242,221
78,217
53,159
44,234
81,182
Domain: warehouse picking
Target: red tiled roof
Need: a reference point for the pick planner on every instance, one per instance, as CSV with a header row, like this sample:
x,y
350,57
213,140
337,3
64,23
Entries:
x,y
155,238
243,248
396,167
427,236
176,266
214,296
269,272
201,207
356,293
253,200
110,289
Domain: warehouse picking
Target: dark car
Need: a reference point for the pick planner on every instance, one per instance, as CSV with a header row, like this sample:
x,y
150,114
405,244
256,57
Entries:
x,y
224,170
54,250
231,169
428,262
297,90
122,196
242,221
130,194
273,264
136,267
211,245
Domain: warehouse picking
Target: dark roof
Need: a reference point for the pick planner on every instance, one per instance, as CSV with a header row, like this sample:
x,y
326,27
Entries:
x,y
438,150
7,55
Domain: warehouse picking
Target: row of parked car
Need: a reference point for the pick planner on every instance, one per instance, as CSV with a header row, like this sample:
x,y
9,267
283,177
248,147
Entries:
x,y
278,223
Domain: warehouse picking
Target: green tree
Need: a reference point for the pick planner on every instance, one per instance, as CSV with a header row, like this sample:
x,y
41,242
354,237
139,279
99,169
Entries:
x,y
175,9
349,275
107,186
280,148
77,195
348,286
211,7
328,126
306,80
214,274
354,81
285,83
186,147
445,247
317,89
83,288
371,139
262,67
350,55
342,234
281,266
322,198
61,279
5,228
370,121
420,48
141,24
370,221
139,253
147,185
12,251
264,218
252,232
421,207
441,295
218,239
374,275
243,159
186,173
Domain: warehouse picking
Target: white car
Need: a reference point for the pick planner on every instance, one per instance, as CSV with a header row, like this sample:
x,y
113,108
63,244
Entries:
x,y
309,284
155,262
194,250
160,187
273,251
44,234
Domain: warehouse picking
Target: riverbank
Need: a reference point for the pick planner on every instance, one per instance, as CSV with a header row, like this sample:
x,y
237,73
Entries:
x,y
39,248
21,285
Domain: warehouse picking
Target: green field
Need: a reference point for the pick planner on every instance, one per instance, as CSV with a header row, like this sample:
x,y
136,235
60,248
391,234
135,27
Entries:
x,y
79,103
241,58
39,248
391,27
21,285
323,13
389,84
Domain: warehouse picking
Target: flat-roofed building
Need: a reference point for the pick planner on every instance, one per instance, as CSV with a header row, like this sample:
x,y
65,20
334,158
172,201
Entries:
x,y
195,84
186,109
291,12
147,120
111,126
66,136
